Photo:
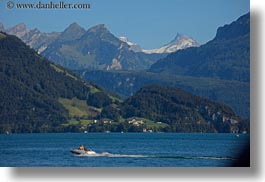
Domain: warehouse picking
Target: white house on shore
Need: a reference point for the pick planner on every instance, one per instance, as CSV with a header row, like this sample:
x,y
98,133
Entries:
x,y
136,122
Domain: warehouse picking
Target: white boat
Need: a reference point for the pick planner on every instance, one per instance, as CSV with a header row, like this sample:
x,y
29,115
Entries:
x,y
82,152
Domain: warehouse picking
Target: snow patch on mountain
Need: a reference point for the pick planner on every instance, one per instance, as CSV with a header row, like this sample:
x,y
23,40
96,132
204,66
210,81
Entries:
x,y
133,46
180,42
116,65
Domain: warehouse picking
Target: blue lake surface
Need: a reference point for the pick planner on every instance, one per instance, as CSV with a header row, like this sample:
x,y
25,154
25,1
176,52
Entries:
x,y
122,149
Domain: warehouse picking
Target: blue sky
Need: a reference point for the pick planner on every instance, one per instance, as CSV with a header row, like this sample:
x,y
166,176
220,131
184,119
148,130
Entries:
x,y
150,23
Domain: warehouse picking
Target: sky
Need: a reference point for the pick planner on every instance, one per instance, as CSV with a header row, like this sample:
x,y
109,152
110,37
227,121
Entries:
x,y
149,23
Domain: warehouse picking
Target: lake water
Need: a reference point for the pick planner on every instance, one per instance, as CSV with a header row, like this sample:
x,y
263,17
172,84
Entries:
x,y
122,149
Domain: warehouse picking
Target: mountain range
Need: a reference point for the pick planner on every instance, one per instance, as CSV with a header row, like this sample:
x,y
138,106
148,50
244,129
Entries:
x,y
38,96
96,48
34,38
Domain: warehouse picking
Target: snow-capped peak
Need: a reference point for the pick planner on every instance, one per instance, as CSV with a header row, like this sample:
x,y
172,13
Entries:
x,y
124,39
180,42
133,46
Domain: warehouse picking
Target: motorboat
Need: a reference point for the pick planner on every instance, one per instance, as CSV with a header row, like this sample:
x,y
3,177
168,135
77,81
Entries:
x,y
82,152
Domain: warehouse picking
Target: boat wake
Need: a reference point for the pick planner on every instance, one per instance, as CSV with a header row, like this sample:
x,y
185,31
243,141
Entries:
x,y
197,157
107,154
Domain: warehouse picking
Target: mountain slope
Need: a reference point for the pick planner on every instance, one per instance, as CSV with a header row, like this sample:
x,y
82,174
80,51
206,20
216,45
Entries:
x,y
76,48
126,83
183,111
31,88
180,42
227,56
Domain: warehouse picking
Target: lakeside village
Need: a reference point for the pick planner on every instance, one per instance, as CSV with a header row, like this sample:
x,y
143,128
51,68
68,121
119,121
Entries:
x,y
145,125
215,122
134,125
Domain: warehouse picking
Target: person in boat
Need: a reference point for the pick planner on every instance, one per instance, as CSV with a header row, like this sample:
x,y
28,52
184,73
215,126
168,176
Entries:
x,y
82,147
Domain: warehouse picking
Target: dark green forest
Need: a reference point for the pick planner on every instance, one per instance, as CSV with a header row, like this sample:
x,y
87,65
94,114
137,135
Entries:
x,y
182,111
30,88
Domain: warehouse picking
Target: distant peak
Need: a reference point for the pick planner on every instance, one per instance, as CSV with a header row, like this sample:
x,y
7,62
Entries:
x,y
72,32
124,39
74,26
179,42
19,30
179,35
180,38
21,26
133,46
98,27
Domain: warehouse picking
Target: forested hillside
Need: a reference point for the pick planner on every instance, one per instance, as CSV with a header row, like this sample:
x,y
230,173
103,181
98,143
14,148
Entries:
x,y
31,89
183,111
